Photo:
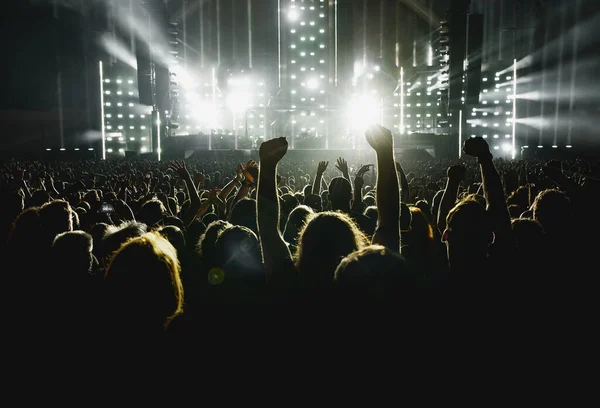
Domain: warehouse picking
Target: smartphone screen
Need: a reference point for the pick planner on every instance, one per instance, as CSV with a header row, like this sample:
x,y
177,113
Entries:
x,y
107,208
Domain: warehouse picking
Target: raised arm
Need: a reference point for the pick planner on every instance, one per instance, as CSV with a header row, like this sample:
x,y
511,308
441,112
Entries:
x,y
387,194
317,184
182,172
359,182
274,249
455,175
404,187
492,189
342,166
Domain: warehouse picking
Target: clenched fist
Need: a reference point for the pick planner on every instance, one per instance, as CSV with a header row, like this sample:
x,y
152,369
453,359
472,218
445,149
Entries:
x,y
380,138
456,172
272,151
477,147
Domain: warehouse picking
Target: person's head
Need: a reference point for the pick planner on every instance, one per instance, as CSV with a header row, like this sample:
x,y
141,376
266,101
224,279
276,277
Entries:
x,y
193,233
373,274
152,212
313,201
532,251
243,214
210,217
56,217
288,202
307,190
324,240
72,255
552,209
116,236
143,282
369,200
25,234
421,231
467,235
515,210
175,236
237,257
173,221
340,194
206,244
530,238
39,198
92,197
371,212
294,224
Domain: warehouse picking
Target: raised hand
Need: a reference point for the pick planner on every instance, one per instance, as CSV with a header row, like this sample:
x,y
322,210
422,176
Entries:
x,y
363,169
380,138
342,165
179,168
456,172
359,182
322,167
477,147
272,151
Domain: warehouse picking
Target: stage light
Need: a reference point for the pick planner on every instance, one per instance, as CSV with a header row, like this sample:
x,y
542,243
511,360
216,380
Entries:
x,y
293,15
363,111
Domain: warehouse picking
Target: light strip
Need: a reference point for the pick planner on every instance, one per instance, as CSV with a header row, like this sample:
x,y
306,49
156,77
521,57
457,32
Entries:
x,y
158,134
514,118
102,111
401,100
460,133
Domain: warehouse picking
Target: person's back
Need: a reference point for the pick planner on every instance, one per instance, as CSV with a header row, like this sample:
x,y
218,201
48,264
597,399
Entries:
x,y
295,222
468,236
143,286
326,238
552,209
422,251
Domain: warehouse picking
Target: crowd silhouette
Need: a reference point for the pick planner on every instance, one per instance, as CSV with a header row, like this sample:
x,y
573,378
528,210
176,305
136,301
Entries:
x,y
140,251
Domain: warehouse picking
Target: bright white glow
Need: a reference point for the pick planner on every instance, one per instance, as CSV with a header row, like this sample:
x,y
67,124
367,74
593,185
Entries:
x,y
293,15
238,100
312,83
363,112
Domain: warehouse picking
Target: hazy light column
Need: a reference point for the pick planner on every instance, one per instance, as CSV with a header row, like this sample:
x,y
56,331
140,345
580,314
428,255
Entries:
x,y
102,111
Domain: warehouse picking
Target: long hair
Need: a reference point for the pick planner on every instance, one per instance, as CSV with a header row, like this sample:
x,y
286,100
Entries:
x,y
143,281
326,239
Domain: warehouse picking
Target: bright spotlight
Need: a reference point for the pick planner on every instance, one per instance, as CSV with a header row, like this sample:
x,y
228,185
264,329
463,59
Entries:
x,y
312,83
293,15
238,101
364,111
507,147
